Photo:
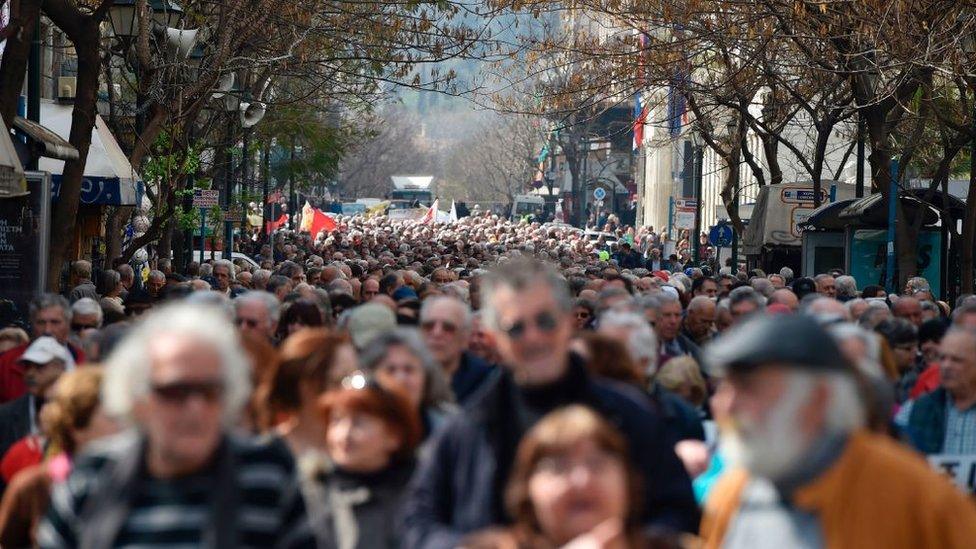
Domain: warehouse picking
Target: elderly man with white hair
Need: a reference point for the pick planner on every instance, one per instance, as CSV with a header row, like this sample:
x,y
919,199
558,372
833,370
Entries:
x,y
256,314
86,313
179,477
804,470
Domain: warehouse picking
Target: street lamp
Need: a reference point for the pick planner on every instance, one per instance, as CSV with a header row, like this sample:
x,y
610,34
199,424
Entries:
x,y
697,161
125,23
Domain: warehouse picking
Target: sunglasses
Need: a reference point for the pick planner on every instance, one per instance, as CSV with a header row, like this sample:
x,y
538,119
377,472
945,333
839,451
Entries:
x,y
80,327
545,322
429,325
180,392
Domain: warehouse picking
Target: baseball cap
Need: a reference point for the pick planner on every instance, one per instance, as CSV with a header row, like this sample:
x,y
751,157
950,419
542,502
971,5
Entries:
x,y
45,349
793,341
368,321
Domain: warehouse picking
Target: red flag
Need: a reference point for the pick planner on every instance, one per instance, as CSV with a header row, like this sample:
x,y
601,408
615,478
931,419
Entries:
x,y
272,226
431,216
321,222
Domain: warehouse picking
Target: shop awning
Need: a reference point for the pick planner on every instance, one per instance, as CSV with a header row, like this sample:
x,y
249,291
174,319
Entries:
x,y
12,182
109,178
52,145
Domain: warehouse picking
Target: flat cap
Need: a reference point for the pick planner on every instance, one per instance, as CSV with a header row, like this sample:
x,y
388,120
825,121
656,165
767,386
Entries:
x,y
793,341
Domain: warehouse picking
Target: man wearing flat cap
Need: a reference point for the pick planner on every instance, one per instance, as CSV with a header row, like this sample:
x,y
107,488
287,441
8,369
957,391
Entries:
x,y
805,471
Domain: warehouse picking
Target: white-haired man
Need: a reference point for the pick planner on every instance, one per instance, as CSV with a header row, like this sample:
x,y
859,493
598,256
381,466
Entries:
x,y
256,314
179,477
812,475
446,325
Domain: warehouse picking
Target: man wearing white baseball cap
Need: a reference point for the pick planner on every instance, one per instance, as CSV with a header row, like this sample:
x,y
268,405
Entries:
x,y
43,362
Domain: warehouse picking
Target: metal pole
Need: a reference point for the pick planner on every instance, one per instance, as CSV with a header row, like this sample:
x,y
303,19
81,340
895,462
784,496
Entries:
x,y
859,185
34,83
892,209
291,190
228,191
203,232
697,167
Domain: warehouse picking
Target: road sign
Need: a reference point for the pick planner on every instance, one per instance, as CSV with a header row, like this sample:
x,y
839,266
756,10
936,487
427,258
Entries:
x,y
599,193
204,198
720,235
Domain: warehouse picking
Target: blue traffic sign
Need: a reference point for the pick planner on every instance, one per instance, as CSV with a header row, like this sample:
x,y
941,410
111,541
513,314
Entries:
x,y
720,235
599,193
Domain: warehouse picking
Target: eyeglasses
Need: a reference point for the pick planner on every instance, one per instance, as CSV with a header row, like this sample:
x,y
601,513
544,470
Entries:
x,y
181,391
545,321
429,325
249,322
80,327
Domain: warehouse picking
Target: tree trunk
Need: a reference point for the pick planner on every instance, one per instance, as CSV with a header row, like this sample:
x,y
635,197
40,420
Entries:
x,y
64,223
16,51
165,247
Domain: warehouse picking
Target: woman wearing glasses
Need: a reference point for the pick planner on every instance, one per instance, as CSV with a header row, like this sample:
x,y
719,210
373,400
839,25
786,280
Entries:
x,y
371,436
399,359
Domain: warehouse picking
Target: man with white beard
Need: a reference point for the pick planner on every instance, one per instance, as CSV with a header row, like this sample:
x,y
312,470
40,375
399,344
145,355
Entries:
x,y
805,472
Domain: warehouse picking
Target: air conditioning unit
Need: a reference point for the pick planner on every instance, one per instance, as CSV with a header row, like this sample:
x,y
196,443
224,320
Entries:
x,y
67,86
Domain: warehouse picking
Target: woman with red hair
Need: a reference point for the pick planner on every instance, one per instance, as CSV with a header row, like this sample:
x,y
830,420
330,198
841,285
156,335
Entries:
x,y
371,435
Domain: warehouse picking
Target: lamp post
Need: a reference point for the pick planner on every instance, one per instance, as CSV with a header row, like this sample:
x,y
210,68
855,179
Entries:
x,y
732,126
698,152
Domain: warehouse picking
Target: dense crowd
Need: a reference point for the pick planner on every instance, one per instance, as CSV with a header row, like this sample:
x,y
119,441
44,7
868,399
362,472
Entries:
x,y
483,384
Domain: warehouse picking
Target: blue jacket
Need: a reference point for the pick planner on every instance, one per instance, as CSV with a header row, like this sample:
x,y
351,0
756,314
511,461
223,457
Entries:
x,y
469,377
458,487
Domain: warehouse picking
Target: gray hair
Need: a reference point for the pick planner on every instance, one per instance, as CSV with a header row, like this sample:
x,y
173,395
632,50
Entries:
x,y
261,297
437,391
47,301
260,277
648,302
641,341
746,293
206,269
232,273
111,278
787,274
87,306
871,365
466,318
763,286
519,275
157,275
127,370
846,286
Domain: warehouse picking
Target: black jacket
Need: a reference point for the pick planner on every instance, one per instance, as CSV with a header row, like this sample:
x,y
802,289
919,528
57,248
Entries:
x,y
14,422
459,485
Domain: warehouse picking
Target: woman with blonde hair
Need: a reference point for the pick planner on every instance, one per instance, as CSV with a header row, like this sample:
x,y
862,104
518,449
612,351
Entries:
x,y
682,376
71,420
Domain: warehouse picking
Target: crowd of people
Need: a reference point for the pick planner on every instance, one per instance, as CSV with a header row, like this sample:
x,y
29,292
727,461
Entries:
x,y
483,384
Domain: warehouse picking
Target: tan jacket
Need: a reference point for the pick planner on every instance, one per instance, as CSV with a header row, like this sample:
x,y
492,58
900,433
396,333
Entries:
x,y
878,494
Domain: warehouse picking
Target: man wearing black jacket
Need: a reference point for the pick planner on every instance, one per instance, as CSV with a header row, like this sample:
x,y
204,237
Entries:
x,y
458,488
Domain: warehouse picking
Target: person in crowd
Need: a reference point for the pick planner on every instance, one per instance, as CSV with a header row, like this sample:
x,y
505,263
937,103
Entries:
x,y
930,335
845,288
11,337
50,315
43,363
908,308
299,315
573,484
668,327
744,302
371,435
127,277
71,420
457,489
902,339
944,420
256,314
311,362
805,471
826,285
699,322
112,290
86,314
155,284
446,323
399,359
704,287
81,281
181,379
371,288
682,376
585,313
786,297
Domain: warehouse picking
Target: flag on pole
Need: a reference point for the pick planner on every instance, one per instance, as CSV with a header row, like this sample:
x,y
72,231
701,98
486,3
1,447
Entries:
x,y
454,215
314,221
430,217
274,225
640,118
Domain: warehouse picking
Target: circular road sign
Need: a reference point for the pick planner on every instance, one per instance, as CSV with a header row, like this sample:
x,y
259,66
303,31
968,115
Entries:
x,y
599,193
720,235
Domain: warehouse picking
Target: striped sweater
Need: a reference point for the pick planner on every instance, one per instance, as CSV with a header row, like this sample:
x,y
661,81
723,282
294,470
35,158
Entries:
x,y
176,513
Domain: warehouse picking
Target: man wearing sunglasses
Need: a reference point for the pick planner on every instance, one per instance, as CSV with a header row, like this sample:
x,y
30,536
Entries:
x,y
182,380
458,487
446,325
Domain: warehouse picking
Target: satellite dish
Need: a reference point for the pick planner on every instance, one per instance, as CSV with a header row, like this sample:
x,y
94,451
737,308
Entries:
x,y
181,40
224,85
252,113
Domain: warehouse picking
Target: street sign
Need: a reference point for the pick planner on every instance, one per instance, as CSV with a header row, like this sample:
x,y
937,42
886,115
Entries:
x,y
599,193
204,198
720,235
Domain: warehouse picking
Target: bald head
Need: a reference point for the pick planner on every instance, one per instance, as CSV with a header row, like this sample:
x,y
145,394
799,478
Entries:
x,y
786,297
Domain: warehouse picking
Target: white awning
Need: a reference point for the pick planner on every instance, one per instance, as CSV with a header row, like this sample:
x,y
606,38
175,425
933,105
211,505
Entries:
x,y
109,178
